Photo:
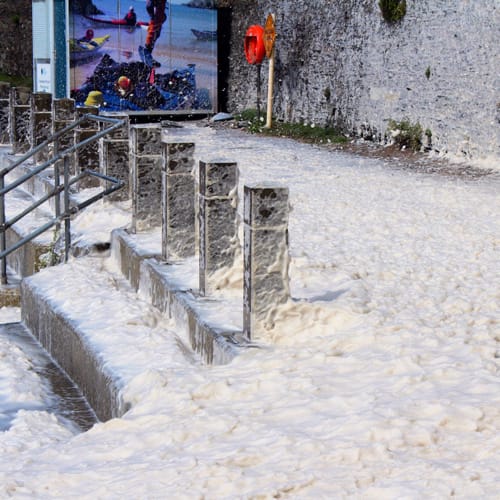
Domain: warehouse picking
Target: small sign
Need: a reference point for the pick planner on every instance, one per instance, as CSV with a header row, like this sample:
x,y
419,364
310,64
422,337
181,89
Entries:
x,y
269,35
43,77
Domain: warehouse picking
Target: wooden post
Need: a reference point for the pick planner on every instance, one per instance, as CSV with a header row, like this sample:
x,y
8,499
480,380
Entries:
x,y
270,93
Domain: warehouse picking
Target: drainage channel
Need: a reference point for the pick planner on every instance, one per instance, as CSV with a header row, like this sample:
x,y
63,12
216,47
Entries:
x,y
66,400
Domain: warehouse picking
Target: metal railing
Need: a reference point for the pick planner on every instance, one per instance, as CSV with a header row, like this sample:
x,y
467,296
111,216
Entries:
x,y
55,192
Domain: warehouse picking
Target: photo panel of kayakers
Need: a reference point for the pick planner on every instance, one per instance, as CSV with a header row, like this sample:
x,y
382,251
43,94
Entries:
x,y
142,55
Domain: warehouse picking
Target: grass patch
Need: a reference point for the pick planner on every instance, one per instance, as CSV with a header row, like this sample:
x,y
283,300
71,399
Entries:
x,y
392,10
298,131
406,134
17,81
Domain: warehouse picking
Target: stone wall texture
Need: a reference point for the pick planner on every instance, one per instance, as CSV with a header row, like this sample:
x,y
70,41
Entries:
x,y
340,63
16,53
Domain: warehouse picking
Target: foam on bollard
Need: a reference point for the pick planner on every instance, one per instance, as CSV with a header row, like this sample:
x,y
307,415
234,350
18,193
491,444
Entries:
x,y
265,256
218,228
4,113
41,123
146,172
178,200
20,113
63,114
114,156
87,157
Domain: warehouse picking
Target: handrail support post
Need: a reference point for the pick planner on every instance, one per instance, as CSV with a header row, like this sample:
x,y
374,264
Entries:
x,y
3,239
67,229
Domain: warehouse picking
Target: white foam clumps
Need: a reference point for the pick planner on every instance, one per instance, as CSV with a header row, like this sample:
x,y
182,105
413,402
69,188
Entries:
x,y
380,379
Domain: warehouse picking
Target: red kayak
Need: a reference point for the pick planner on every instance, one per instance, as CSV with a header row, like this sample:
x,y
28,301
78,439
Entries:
x,y
115,22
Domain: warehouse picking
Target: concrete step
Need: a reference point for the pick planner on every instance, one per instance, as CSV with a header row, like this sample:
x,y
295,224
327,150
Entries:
x,y
10,292
30,258
41,251
173,290
75,309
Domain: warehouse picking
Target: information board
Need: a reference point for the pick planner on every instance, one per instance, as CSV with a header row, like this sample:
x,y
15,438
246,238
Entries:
x,y
143,55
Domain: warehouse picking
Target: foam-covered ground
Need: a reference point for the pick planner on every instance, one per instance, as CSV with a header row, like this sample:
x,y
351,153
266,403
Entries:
x,y
380,379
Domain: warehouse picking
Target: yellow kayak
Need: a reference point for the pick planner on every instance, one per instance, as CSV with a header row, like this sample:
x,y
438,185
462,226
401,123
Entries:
x,y
82,49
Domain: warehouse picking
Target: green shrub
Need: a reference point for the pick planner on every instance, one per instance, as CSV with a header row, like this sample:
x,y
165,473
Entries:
x,y
392,10
406,134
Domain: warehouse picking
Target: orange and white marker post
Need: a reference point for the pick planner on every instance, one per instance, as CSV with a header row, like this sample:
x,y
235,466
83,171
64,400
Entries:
x,y
269,38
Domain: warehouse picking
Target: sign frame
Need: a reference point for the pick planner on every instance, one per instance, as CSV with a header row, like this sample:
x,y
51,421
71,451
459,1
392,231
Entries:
x,y
269,35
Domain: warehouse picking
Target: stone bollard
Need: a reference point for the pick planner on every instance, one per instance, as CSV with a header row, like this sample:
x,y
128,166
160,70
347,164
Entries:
x,y
114,156
178,200
265,256
63,114
20,113
145,175
87,157
41,123
218,200
4,113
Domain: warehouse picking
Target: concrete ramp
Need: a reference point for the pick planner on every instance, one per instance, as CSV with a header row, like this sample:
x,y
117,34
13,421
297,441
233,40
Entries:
x,y
59,334
68,400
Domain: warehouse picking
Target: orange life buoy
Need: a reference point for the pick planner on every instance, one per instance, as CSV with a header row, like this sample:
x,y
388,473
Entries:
x,y
255,49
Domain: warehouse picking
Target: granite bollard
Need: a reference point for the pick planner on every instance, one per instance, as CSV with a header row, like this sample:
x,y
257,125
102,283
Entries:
x,y
20,113
146,176
63,115
178,200
87,157
114,156
265,256
41,123
218,228
4,113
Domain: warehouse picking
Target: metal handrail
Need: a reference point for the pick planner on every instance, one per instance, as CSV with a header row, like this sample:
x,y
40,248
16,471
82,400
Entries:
x,y
59,188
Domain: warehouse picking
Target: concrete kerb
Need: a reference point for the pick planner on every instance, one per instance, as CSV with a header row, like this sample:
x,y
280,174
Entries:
x,y
215,345
128,255
150,276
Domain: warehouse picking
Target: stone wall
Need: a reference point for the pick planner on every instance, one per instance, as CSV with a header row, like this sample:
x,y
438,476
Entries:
x,y
339,63
16,35
16,38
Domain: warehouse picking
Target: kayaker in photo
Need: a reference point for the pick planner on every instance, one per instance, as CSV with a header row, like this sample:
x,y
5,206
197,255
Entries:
x,y
157,14
130,17
89,35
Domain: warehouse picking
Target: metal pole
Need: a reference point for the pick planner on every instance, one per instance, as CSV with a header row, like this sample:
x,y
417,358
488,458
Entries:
x,y
2,235
67,231
57,183
258,91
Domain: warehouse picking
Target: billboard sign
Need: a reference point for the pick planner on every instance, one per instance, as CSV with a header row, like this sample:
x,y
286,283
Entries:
x,y
142,55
